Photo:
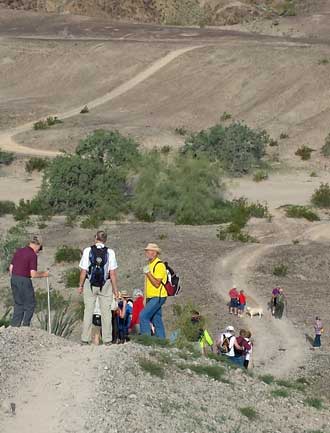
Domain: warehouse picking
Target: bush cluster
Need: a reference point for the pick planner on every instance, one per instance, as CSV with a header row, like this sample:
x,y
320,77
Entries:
x,y
6,158
15,238
301,212
321,196
45,124
66,254
304,152
36,164
6,207
237,147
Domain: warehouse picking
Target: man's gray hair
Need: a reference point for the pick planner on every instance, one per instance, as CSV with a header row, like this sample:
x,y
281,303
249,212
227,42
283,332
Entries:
x,y
36,240
101,236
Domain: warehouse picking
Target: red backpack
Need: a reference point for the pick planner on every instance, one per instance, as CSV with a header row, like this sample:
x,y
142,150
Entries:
x,y
172,285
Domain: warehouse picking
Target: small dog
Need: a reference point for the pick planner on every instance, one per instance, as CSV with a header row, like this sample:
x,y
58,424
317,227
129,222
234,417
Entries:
x,y
256,311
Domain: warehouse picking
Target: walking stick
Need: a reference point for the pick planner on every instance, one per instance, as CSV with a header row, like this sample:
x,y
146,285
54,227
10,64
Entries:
x,y
48,301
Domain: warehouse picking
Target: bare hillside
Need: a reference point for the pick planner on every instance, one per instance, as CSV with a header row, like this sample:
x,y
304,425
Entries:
x,y
182,12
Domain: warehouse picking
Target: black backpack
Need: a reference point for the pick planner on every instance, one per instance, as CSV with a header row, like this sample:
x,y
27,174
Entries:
x,y
98,258
172,285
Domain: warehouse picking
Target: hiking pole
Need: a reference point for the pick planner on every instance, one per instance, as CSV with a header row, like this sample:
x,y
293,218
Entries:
x,y
48,302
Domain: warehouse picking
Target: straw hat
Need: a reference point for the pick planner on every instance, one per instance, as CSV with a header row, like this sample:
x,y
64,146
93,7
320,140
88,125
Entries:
x,y
152,247
124,294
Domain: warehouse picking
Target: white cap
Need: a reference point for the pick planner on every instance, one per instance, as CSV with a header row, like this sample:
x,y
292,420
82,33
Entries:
x,y
230,329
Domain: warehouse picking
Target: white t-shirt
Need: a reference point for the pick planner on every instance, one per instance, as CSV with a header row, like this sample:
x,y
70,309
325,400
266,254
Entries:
x,y
248,354
231,339
111,264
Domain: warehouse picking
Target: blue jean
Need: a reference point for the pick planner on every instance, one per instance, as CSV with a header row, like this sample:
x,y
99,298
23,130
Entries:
x,y
317,341
152,312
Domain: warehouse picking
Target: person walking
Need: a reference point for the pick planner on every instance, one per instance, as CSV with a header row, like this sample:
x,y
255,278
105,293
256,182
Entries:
x,y
98,278
280,304
233,304
241,303
318,327
156,294
23,267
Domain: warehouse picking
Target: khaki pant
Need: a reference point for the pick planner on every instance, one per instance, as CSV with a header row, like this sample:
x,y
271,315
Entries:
x,y
105,299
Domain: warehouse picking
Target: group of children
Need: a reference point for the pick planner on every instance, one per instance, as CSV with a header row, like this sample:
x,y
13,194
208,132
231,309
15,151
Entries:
x,y
125,312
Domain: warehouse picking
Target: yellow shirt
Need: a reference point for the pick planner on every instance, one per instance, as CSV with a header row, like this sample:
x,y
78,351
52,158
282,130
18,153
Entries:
x,y
159,273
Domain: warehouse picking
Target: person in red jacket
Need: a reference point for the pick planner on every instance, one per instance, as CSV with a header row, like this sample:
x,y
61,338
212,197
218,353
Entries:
x,y
138,305
241,303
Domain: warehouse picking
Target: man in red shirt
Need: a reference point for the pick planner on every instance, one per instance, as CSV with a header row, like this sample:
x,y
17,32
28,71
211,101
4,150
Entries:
x,y
23,267
233,294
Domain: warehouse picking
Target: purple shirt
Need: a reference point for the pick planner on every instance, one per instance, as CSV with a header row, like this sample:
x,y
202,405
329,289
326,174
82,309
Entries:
x,y
24,261
276,291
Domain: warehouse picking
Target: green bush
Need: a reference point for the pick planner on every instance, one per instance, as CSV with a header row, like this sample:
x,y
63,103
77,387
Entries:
x,y
36,206
238,147
267,378
171,190
6,207
326,147
71,277
181,130
249,412
64,317
273,143
215,372
188,330
81,186
66,254
260,175
293,211
5,320
280,393
151,367
15,238
304,152
225,116
45,124
314,402
6,158
289,8
280,270
321,196
284,136
110,148
93,221
36,164
324,61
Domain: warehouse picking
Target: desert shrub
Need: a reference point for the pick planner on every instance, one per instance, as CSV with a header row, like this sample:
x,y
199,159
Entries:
x,y
6,207
238,147
6,158
170,191
273,143
280,270
84,110
215,372
324,61
82,185
93,221
314,402
249,412
181,130
15,238
321,196
31,207
4,319
64,317
165,150
293,211
67,254
36,164
289,8
71,277
45,124
188,331
284,136
313,174
304,152
280,393
225,116
326,147
152,367
267,378
233,232
182,13
260,175
110,148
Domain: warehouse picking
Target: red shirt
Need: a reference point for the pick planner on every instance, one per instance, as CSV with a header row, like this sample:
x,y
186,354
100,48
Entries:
x,y
24,261
138,306
242,299
233,293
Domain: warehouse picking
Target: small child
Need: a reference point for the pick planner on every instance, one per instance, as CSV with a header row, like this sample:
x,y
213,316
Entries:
x,y
97,323
247,355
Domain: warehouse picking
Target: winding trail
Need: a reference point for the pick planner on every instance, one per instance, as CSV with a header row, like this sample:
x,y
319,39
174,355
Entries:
x,y
280,347
7,138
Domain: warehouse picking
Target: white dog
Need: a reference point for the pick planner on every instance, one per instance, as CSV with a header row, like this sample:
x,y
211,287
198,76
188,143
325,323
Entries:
x,y
256,311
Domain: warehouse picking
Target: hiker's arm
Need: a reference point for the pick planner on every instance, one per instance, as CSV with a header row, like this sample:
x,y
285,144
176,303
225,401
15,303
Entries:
x,y
156,282
113,279
82,278
10,269
36,274
237,345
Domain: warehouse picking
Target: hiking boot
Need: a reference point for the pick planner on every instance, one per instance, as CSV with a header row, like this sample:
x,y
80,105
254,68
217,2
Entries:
x,y
84,343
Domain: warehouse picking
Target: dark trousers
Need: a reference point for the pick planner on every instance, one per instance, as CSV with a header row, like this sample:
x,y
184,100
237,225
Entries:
x,y
24,300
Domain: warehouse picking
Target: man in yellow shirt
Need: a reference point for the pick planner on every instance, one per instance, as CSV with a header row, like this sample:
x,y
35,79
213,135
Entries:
x,y
156,294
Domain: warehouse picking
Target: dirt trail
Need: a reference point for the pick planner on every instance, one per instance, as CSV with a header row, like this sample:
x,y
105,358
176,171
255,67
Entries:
x,y
280,347
50,401
7,140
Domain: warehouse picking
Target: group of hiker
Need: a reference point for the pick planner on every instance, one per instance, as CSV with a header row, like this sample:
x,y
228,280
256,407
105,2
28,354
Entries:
x,y
112,315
